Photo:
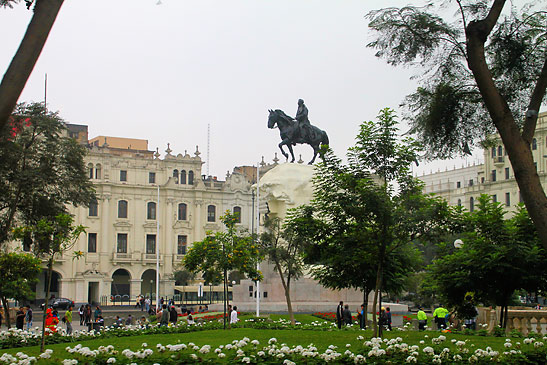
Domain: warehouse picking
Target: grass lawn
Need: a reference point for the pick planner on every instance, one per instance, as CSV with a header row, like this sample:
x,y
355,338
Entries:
x,y
321,339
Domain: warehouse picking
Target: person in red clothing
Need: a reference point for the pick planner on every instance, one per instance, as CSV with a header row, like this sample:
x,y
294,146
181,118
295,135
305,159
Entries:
x,y
51,321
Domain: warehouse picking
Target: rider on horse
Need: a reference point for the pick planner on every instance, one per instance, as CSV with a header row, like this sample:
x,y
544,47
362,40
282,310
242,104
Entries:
x,y
304,125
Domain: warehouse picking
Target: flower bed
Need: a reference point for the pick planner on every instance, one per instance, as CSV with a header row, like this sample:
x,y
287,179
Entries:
x,y
395,351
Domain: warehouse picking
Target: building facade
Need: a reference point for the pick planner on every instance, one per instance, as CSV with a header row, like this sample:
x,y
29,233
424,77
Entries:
x,y
494,177
143,202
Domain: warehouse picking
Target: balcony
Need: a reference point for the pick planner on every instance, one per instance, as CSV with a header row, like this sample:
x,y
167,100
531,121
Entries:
x,y
122,257
150,258
499,161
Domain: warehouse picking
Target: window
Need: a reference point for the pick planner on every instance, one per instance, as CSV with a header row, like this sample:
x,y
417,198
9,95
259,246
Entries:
x,y
93,208
182,212
493,152
493,175
150,243
151,177
123,175
482,180
494,198
459,184
237,213
181,244
190,177
507,173
265,294
534,144
500,151
151,210
471,204
92,242
459,202
98,171
27,243
121,246
507,199
90,169
176,176
470,182
122,209
211,213
183,176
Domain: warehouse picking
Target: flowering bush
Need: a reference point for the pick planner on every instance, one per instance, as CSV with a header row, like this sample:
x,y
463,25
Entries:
x,y
247,351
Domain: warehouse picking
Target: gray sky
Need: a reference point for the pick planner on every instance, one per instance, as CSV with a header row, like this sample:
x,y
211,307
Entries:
x,y
131,68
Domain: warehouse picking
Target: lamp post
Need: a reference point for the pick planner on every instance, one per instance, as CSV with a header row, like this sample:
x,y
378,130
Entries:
x,y
158,249
151,290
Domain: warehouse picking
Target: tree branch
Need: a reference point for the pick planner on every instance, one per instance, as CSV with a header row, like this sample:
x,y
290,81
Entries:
x,y
535,103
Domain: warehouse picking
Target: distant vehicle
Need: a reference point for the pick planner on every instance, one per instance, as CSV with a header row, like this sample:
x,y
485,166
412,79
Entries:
x,y
59,303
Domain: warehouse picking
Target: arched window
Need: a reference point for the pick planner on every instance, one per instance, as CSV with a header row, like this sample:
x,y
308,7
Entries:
x,y
93,208
471,204
151,210
183,176
534,144
237,213
122,209
500,151
182,212
211,213
90,170
98,171
493,151
176,176
190,177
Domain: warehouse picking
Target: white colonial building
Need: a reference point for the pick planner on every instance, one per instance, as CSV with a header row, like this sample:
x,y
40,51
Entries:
x,y
122,225
494,177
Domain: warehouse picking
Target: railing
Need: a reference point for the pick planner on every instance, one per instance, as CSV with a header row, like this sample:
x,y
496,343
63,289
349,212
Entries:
x,y
525,321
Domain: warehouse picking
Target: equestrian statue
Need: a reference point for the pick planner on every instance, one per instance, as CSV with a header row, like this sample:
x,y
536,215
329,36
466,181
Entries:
x,y
297,130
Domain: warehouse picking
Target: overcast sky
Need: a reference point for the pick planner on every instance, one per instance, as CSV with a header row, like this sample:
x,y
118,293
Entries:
x,y
133,68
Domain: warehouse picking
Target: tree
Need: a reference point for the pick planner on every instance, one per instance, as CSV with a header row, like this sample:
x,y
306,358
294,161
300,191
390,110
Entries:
x,y
22,64
41,170
183,277
497,258
19,272
284,247
366,215
221,252
483,70
50,239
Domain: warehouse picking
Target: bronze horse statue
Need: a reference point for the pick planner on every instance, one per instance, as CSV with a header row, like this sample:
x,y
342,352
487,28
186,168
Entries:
x,y
290,134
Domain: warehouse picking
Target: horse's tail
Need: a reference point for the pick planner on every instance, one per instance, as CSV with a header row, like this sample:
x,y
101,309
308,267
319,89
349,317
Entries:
x,y
324,138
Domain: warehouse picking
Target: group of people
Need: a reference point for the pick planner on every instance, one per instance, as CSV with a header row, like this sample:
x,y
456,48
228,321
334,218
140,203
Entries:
x,y
344,316
23,316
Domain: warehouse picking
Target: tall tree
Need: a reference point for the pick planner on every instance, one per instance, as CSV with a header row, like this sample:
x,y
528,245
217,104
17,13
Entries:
x,y
284,247
486,68
41,169
221,252
19,272
498,257
22,64
50,239
367,213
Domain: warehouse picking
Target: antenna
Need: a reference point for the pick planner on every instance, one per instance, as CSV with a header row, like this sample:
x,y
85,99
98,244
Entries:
x,y
208,144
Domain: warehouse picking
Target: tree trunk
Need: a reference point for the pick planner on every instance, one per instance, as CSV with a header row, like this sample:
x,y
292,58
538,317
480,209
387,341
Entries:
x,y
286,287
22,64
5,303
377,291
365,306
46,303
517,145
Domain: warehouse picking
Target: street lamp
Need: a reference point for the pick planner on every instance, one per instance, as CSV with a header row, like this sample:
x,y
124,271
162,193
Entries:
x,y
151,289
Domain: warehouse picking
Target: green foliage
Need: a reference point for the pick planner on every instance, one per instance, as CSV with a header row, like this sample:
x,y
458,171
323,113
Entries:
x,y
41,170
447,112
183,277
224,251
19,272
498,257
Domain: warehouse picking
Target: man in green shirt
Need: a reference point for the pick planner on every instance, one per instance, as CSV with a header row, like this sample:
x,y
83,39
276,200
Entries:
x,y
422,319
68,320
440,317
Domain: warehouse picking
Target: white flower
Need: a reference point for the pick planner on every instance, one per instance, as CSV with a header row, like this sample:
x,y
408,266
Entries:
x,y
246,360
221,355
111,360
272,340
411,359
429,350
507,344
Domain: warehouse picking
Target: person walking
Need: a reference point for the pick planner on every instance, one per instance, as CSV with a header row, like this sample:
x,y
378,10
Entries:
x,y
87,314
347,315
388,318
422,319
147,303
81,312
439,315
142,302
173,315
340,314
233,316
363,319
28,318
68,320
20,318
